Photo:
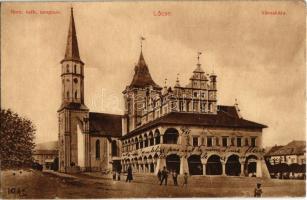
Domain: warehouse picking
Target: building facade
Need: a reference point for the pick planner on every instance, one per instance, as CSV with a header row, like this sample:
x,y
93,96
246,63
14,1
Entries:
x,y
288,161
181,127
45,157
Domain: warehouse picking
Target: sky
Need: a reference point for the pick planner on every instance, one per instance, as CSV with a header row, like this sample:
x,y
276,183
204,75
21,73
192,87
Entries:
x,y
258,59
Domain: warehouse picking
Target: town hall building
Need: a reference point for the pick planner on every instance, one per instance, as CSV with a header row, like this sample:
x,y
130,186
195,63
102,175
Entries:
x,y
181,128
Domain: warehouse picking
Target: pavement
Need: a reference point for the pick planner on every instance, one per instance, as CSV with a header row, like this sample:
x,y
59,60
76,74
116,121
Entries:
x,y
48,184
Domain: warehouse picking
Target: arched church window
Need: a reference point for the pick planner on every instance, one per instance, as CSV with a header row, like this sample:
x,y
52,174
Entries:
x,y
75,68
97,149
67,68
76,94
67,94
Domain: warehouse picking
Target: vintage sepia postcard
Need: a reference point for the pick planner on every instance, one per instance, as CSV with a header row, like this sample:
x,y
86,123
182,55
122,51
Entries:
x,y
152,99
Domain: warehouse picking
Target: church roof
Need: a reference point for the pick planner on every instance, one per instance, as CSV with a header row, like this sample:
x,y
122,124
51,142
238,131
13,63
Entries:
x,y
225,117
142,77
72,49
103,124
73,106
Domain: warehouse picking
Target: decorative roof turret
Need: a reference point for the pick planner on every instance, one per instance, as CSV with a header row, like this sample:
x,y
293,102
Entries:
x,y
198,68
177,81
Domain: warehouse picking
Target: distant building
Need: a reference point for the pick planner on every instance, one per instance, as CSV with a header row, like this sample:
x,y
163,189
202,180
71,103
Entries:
x,y
45,157
287,160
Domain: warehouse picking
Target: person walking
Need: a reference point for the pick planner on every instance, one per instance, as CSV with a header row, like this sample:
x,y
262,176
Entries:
x,y
159,175
258,190
118,175
129,174
175,176
164,174
114,175
185,179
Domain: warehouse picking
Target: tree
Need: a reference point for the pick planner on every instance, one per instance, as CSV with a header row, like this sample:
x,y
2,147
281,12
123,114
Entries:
x,y
16,136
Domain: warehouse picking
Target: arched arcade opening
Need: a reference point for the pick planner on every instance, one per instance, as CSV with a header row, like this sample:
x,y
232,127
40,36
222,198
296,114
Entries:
x,y
233,166
214,165
195,165
173,163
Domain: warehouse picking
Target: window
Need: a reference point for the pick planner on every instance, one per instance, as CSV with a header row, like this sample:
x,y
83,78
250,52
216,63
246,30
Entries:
x,y
180,105
75,80
210,107
195,105
253,141
136,144
195,141
239,142
75,68
203,107
67,94
76,94
151,141
67,68
170,136
158,139
195,94
141,144
209,141
97,149
224,141
202,95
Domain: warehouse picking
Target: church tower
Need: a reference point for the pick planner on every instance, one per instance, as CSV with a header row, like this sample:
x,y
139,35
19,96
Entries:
x,y
73,114
138,95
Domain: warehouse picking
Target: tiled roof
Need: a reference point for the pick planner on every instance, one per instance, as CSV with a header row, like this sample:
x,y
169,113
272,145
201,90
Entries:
x,y
103,124
225,117
142,77
45,152
272,149
73,106
293,148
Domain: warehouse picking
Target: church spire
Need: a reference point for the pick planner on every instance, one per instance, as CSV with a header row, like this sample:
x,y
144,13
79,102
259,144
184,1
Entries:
x,y
72,49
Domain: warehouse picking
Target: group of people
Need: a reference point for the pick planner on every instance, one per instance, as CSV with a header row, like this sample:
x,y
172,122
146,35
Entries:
x,y
163,175
116,175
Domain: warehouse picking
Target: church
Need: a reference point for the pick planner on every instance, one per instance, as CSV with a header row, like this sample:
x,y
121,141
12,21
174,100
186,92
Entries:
x,y
181,128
